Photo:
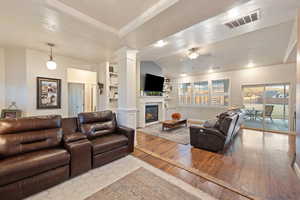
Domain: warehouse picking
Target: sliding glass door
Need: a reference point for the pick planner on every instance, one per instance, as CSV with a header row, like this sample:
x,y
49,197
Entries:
x,y
267,107
253,97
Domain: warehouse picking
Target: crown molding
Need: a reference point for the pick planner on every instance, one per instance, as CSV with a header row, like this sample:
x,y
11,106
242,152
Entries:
x,y
134,24
146,16
79,15
292,43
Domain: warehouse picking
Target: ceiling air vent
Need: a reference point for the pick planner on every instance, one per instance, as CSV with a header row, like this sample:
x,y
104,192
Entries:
x,y
252,17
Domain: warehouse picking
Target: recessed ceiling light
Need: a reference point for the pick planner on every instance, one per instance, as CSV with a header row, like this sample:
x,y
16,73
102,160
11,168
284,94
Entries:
x,y
250,64
233,13
210,70
160,43
183,75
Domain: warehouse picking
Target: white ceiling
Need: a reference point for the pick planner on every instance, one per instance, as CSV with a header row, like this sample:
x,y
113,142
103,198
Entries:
x,y
93,30
230,48
115,13
263,47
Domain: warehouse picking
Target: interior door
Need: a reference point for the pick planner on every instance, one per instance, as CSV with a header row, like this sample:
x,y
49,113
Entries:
x,y
76,98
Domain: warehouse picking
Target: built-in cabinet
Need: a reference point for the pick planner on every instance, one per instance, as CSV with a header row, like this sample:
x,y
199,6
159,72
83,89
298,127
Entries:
x,y
109,79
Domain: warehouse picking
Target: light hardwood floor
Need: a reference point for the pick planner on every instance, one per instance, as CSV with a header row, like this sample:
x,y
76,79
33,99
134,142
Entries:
x,y
257,163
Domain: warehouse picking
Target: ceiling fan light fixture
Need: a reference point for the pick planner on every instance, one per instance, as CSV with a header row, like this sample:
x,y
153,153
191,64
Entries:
x,y
51,64
193,53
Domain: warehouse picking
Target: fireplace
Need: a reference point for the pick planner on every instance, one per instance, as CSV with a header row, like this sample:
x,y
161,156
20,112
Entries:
x,y
151,114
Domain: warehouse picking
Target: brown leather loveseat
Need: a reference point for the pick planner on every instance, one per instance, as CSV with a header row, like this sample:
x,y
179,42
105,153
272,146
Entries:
x,y
109,141
218,137
32,157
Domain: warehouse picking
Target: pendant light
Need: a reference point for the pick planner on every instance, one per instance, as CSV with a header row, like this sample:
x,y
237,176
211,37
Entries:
x,y
51,64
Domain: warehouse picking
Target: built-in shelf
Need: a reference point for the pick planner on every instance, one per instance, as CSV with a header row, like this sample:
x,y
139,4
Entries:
x,y
168,99
113,99
113,73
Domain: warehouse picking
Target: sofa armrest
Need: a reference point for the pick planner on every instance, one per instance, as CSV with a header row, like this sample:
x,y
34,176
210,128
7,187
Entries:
x,y
73,137
206,131
81,156
207,138
129,133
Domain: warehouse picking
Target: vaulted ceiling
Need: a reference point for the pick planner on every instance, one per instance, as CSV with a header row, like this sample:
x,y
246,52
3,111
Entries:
x,y
264,42
262,48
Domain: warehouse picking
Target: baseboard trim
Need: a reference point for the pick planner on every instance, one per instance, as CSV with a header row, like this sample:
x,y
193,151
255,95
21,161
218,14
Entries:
x,y
201,174
270,131
297,169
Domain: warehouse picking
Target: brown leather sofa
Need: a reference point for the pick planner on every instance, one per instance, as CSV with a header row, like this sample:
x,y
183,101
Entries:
x,y
39,152
32,157
109,141
78,146
217,137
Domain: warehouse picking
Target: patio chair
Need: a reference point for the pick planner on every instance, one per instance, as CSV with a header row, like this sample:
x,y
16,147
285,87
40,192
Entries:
x,y
268,112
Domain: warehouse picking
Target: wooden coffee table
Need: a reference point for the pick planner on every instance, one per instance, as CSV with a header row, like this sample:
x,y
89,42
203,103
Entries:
x,y
170,124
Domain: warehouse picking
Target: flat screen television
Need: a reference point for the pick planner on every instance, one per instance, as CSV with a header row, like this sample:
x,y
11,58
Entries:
x,y
154,83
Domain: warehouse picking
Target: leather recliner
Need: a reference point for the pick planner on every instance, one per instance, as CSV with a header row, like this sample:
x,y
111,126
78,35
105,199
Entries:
x,y
32,157
109,141
218,137
78,145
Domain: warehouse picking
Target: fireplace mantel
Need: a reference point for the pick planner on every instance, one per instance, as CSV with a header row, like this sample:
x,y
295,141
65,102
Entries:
x,y
151,100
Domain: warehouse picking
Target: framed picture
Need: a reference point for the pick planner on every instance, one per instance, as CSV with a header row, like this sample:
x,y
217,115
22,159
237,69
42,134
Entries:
x,y
48,93
9,113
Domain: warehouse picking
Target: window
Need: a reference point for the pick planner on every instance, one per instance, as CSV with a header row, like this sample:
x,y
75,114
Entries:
x,y
185,93
214,93
220,92
201,93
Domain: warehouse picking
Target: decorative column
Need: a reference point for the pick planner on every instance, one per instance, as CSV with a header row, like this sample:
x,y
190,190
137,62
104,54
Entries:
x,y
127,102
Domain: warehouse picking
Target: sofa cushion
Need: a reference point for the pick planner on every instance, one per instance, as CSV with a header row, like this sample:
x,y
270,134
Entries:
x,y
212,123
94,130
29,164
12,144
27,124
95,124
91,117
108,142
227,125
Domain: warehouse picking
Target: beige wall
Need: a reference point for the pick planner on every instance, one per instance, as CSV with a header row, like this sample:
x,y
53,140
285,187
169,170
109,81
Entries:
x,y
261,75
19,68
2,79
298,97
35,62
15,77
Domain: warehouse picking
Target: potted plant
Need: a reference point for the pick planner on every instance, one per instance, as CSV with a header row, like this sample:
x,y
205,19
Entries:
x,y
176,116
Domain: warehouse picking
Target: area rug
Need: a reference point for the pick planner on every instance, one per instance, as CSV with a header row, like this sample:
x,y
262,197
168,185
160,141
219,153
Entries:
x,y
142,184
125,179
179,135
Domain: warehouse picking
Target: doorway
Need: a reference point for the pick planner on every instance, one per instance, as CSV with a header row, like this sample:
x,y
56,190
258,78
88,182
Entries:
x,y
267,107
76,98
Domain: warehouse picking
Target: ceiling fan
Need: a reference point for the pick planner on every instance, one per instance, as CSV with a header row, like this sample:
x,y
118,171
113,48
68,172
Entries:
x,y
193,54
